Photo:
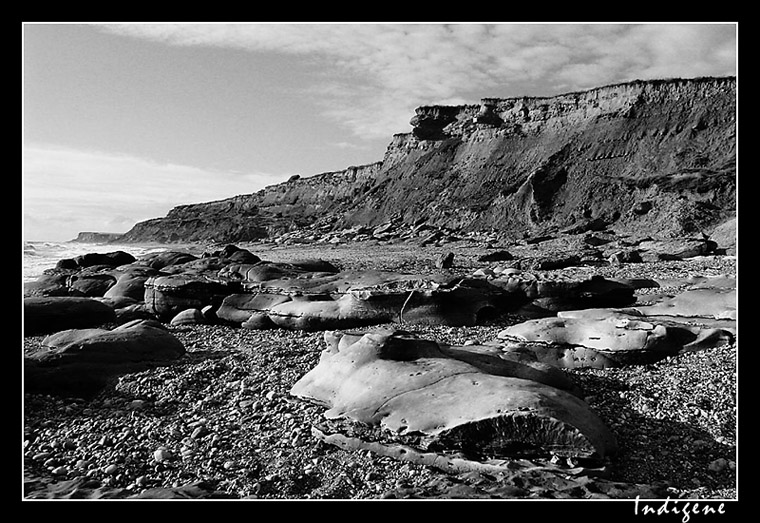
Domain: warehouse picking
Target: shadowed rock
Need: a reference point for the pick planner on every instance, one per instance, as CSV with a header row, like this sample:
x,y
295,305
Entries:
x,y
49,314
80,362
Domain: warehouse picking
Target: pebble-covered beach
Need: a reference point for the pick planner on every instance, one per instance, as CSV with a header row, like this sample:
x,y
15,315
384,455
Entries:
x,y
220,424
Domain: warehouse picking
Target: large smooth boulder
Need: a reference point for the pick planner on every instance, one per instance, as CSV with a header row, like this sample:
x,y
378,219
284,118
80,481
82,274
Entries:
x,y
53,313
79,362
130,283
407,386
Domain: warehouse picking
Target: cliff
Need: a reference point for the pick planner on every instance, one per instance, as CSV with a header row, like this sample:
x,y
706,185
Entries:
x,y
644,156
97,237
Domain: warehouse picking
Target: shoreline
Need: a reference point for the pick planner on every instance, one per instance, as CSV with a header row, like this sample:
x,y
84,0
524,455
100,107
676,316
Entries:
x,y
219,423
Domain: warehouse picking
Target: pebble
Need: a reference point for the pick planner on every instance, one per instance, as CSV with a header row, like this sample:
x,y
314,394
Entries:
x,y
718,465
111,469
162,454
260,444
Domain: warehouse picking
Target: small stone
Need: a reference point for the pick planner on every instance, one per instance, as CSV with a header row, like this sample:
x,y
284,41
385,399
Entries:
x,y
229,465
162,454
111,469
60,471
718,465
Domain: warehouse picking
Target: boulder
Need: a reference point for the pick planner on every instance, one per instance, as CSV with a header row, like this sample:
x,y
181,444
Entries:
x,y
409,387
49,314
80,362
189,317
89,284
353,299
675,249
166,296
111,259
161,260
445,261
603,338
130,283
51,283
238,308
548,294
496,256
706,301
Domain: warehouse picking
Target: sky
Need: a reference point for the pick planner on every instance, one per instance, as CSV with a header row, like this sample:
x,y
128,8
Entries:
x,y
123,122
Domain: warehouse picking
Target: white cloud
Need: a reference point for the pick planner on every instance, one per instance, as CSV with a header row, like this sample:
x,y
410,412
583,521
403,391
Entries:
x,y
376,74
65,191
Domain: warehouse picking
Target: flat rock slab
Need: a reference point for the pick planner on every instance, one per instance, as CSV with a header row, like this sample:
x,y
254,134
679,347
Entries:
x,y
407,386
79,362
53,313
319,301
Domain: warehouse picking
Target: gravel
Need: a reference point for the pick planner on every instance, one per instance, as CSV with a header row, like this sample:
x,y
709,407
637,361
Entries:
x,y
219,423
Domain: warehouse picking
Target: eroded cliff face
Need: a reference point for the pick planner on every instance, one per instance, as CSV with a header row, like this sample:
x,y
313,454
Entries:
x,y
654,157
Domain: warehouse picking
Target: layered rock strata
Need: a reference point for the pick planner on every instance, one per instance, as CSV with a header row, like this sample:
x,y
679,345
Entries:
x,y
658,157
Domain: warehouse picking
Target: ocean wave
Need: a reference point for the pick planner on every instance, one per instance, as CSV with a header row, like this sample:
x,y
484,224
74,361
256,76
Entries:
x,y
42,255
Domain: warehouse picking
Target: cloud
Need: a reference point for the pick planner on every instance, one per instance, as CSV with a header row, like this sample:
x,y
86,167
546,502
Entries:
x,y
374,75
65,191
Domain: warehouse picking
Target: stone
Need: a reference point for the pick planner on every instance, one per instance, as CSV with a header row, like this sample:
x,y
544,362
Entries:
x,y
602,338
675,249
92,285
496,256
445,261
353,299
624,256
547,295
49,314
51,283
111,259
697,302
166,296
130,283
161,260
408,386
189,317
80,362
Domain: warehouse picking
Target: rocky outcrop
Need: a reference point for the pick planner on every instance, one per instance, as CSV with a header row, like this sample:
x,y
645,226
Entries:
x,y
97,237
658,157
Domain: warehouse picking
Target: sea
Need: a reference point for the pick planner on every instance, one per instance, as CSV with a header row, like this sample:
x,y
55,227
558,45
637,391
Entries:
x,y
41,255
